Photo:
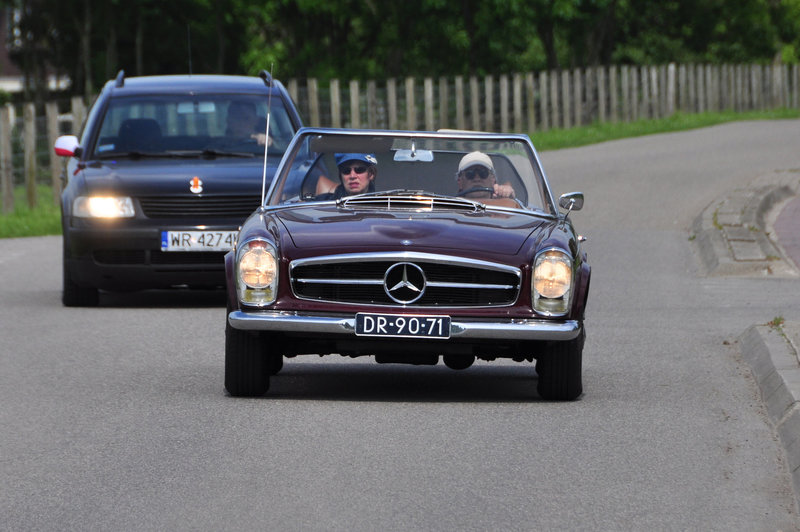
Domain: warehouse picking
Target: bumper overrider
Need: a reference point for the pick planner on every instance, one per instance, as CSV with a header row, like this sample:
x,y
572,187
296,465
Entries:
x,y
460,328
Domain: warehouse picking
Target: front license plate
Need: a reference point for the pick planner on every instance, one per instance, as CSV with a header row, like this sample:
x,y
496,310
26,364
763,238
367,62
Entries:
x,y
197,240
402,326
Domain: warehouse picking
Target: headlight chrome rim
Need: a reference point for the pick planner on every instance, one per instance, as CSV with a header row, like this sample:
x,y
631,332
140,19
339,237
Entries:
x,y
257,272
552,280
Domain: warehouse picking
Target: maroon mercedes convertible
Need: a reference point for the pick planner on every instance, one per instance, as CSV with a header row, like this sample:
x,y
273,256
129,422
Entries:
x,y
409,247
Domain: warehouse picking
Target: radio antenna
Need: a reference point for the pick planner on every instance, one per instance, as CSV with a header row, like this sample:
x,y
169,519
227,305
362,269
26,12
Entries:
x,y
266,141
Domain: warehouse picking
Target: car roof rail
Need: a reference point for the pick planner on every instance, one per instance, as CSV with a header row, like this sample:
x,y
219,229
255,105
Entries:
x,y
120,80
267,77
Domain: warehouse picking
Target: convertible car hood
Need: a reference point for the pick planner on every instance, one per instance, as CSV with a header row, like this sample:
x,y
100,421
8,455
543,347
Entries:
x,y
173,176
352,230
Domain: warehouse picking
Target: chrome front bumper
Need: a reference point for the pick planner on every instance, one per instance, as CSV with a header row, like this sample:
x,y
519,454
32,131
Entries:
x,y
460,328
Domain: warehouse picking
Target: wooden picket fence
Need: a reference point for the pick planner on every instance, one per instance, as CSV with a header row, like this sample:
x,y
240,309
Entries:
x,y
524,102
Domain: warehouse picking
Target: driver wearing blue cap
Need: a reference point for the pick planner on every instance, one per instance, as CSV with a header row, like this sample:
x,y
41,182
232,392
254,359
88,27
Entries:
x,y
357,173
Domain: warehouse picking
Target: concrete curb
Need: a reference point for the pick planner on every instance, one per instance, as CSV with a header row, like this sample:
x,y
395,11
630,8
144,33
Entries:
x,y
775,365
731,234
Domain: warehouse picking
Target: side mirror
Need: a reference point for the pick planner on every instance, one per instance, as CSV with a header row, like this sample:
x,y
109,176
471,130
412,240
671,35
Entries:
x,y
572,201
67,146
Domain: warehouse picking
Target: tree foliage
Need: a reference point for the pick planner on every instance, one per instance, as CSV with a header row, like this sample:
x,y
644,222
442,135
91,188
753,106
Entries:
x,y
90,40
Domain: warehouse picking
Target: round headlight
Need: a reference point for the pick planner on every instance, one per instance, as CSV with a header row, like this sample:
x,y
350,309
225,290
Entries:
x,y
257,267
552,275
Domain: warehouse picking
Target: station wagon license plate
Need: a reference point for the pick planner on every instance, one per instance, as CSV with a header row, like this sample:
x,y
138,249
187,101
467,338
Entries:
x,y
197,240
402,326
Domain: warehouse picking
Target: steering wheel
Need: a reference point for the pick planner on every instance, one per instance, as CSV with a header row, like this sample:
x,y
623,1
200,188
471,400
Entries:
x,y
490,190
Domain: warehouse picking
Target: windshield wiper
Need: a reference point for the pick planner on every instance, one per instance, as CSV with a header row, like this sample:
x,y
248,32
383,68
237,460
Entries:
x,y
212,153
132,154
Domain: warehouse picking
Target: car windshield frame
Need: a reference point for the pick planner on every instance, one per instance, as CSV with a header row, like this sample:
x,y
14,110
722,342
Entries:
x,y
410,162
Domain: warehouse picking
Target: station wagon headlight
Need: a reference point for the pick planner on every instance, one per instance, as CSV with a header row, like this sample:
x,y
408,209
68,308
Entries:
x,y
102,207
552,282
257,272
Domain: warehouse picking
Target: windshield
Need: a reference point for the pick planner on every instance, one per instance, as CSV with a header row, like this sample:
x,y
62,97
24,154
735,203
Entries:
x,y
192,125
495,170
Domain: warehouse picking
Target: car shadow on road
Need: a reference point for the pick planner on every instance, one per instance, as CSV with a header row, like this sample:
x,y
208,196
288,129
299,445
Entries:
x,y
400,383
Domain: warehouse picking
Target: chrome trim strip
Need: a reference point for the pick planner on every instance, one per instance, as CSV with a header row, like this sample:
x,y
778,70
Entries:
x,y
407,256
460,328
435,284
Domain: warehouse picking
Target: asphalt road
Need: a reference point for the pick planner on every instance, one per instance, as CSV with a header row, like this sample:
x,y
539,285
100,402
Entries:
x,y
115,418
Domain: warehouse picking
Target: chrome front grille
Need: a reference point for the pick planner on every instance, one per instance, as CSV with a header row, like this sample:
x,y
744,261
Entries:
x,y
445,281
199,206
408,201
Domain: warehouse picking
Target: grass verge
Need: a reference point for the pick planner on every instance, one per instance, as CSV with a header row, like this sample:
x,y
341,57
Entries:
x,y
45,219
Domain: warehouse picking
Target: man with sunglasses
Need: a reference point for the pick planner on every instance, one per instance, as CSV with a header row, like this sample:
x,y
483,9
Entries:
x,y
476,179
357,172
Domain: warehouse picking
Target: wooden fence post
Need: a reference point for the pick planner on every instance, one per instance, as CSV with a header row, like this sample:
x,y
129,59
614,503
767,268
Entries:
x,y
444,103
613,91
336,104
427,86
461,122
577,94
504,116
372,104
6,166
545,100
671,89
600,75
391,96
313,101
51,110
555,101
488,86
355,105
293,91
516,102
475,111
29,151
626,93
566,113
78,110
530,99
411,108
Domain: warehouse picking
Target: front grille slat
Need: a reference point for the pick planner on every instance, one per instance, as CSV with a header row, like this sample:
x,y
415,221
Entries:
x,y
448,285
199,206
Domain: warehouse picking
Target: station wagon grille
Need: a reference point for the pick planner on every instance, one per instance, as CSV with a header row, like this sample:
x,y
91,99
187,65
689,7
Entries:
x,y
206,207
446,284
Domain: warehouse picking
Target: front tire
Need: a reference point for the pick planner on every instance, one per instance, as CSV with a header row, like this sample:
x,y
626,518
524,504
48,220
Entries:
x,y
73,295
247,367
560,370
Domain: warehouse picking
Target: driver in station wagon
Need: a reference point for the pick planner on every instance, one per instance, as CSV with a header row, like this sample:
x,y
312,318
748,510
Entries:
x,y
476,178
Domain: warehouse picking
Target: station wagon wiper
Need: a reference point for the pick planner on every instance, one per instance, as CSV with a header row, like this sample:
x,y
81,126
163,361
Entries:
x,y
132,154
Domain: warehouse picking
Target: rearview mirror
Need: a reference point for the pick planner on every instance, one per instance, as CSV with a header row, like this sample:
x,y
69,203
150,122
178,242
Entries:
x,y
407,156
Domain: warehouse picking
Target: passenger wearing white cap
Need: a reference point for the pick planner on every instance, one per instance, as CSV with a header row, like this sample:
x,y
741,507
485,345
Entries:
x,y
476,178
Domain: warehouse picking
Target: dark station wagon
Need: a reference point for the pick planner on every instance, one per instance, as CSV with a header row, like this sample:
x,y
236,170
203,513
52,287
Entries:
x,y
165,171
410,247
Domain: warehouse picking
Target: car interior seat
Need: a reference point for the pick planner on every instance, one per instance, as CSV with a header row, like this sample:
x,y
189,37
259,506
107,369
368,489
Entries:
x,y
139,134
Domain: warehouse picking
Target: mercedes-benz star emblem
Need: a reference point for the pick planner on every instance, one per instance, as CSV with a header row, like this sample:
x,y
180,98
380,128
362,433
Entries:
x,y
404,282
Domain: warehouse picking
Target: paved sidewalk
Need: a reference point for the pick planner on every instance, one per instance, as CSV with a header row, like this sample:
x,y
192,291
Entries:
x,y
756,232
